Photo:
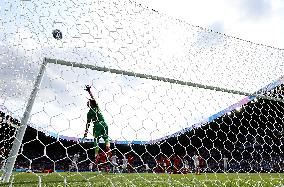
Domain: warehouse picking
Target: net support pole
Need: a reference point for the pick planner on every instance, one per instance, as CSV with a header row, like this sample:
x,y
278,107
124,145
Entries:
x,y
10,162
164,79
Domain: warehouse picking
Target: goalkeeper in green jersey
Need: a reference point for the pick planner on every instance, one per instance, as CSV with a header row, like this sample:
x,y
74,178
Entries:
x,y
95,117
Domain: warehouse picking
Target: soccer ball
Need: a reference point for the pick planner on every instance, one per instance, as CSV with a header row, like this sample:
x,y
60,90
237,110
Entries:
x,y
57,34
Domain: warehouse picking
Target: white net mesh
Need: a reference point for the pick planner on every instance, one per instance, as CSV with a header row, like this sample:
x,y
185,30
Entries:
x,y
156,125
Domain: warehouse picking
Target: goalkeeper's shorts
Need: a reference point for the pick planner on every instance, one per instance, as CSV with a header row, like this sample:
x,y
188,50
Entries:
x,y
101,130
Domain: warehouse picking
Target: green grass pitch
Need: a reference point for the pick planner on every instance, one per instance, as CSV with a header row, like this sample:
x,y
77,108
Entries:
x,y
147,179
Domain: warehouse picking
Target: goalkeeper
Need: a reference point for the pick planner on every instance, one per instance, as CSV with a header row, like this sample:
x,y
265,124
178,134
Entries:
x,y
100,128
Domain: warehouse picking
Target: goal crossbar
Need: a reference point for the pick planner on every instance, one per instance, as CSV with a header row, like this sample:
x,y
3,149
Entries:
x,y
159,78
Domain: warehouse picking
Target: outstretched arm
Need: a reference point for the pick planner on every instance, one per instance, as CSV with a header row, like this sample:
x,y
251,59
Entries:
x,y
88,89
87,127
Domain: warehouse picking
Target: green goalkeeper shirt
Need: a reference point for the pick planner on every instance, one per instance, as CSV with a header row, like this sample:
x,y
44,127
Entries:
x,y
94,115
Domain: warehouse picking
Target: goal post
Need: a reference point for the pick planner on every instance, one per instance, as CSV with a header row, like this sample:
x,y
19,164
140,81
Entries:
x,y
9,165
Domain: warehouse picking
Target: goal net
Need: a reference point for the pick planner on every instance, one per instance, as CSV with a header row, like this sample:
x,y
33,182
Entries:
x,y
175,99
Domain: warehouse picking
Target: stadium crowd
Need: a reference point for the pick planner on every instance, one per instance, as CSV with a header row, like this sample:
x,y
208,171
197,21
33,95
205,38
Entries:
x,y
224,145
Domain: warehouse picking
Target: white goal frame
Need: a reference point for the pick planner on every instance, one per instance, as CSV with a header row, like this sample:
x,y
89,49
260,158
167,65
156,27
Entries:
x,y
9,164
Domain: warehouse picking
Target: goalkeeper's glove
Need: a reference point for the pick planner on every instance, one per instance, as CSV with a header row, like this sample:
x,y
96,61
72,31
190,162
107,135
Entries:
x,y
88,88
